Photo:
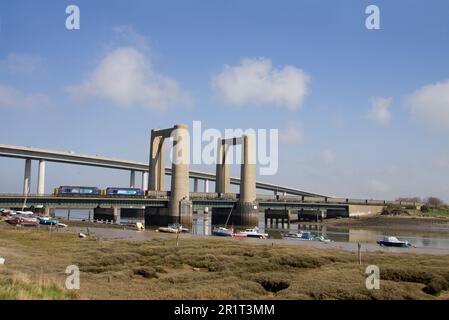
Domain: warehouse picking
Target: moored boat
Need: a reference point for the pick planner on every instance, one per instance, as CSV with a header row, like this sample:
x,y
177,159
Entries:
x,y
390,241
252,233
23,221
223,232
302,235
47,221
173,228
322,239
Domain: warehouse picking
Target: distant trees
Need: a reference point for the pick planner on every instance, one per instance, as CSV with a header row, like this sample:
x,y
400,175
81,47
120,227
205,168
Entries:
x,y
409,199
434,203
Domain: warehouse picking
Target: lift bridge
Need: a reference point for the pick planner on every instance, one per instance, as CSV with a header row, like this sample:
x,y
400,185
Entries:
x,y
160,206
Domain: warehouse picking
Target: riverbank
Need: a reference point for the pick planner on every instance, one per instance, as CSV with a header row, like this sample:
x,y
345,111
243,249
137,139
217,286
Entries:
x,y
114,265
411,223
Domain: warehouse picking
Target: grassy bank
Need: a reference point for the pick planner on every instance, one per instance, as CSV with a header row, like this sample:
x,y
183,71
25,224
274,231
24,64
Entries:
x,y
205,269
438,213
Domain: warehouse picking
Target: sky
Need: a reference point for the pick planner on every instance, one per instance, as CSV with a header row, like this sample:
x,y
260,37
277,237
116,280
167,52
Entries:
x,y
361,113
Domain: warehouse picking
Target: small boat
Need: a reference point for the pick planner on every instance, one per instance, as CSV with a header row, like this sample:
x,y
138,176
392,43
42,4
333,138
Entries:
x,y
47,221
23,221
223,232
302,235
252,233
13,220
393,242
322,239
7,212
29,222
25,213
61,225
178,227
173,228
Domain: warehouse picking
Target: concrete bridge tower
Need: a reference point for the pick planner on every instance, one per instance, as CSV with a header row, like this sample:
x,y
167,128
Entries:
x,y
246,210
179,207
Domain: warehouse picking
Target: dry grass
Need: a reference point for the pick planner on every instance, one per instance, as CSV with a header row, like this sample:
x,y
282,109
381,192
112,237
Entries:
x,y
206,269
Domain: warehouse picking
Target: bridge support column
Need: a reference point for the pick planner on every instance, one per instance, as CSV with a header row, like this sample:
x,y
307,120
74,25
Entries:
x,y
108,214
180,190
179,206
27,177
247,206
132,179
157,162
223,180
41,178
206,185
195,185
144,181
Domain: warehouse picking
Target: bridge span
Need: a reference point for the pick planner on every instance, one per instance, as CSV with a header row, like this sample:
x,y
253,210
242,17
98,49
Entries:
x,y
69,157
273,206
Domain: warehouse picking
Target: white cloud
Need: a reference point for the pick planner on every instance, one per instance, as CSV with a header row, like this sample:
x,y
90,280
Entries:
x,y
20,63
328,156
126,78
257,82
11,97
430,105
292,134
380,112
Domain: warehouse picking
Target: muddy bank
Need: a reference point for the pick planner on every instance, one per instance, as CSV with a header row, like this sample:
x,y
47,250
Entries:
x,y
133,235
430,224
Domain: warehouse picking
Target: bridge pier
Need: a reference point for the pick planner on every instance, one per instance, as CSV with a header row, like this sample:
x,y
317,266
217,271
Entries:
x,y
179,205
135,213
144,181
284,215
27,177
132,179
41,178
206,185
108,214
195,185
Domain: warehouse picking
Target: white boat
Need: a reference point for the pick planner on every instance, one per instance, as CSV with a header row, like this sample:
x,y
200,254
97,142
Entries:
x,y
173,228
25,213
252,233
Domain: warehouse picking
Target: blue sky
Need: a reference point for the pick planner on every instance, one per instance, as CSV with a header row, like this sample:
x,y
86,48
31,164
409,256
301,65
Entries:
x,y
372,122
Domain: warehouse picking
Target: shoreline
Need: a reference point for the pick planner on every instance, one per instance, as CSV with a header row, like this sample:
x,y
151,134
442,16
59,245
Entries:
x,y
104,233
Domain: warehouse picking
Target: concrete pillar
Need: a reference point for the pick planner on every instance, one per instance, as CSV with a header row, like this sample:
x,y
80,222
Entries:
x,y
206,185
132,179
145,181
157,162
27,177
248,170
195,185
41,178
180,169
223,174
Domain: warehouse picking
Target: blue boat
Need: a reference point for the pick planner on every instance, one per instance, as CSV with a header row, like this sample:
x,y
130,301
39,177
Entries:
x,y
48,221
393,242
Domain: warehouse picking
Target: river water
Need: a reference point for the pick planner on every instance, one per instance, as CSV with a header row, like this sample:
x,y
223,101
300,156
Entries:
x,y
201,225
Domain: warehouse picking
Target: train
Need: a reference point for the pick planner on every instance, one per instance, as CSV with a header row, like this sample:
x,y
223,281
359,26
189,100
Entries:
x,y
108,192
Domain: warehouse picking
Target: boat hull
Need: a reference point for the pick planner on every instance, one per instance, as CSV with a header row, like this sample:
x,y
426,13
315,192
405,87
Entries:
x,y
393,244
